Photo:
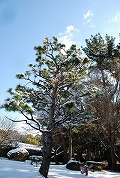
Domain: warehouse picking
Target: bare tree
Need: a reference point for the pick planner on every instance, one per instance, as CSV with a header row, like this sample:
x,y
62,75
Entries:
x,y
7,132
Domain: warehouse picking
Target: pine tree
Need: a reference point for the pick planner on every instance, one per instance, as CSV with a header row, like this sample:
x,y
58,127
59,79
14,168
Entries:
x,y
48,99
104,74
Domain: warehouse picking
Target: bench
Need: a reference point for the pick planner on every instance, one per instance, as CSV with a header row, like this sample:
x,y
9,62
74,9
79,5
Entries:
x,y
97,165
36,159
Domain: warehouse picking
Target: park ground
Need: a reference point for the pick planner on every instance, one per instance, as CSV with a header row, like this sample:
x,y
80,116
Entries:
x,y
17,169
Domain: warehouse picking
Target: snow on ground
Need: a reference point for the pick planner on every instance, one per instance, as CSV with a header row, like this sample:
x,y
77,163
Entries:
x,y
27,146
18,151
17,169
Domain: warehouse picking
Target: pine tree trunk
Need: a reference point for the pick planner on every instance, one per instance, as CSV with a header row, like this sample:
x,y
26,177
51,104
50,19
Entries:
x,y
64,148
108,156
47,148
55,156
47,138
113,158
88,146
70,143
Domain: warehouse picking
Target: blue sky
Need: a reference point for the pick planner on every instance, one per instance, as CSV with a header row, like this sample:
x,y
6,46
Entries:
x,y
25,23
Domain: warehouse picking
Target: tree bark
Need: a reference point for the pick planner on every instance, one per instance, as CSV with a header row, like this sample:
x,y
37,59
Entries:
x,y
88,145
47,137
113,158
55,156
64,146
70,143
65,149
47,148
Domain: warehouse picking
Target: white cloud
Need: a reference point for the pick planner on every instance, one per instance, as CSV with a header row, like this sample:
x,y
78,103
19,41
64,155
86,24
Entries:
x,y
68,37
88,19
71,28
88,14
115,18
91,25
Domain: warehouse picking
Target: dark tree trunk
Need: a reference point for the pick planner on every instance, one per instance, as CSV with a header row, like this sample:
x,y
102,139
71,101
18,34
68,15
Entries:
x,y
56,157
113,158
88,146
108,157
70,143
64,148
47,138
47,148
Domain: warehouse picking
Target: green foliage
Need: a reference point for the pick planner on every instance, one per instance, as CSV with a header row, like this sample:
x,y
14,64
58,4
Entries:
x,y
104,105
101,51
50,83
30,139
20,76
70,106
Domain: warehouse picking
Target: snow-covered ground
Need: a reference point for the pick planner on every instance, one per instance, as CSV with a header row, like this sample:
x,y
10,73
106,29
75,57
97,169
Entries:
x,y
16,169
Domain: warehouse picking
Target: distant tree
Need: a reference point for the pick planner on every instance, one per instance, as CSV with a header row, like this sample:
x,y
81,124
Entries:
x,y
60,145
48,99
104,74
82,141
35,140
7,132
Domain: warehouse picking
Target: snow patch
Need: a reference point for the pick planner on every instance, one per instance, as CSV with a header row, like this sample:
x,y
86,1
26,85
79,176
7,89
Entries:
x,y
17,169
29,146
17,150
